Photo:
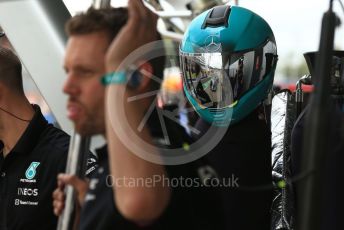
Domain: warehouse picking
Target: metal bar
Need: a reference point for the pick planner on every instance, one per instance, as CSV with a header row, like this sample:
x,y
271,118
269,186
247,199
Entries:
x,y
316,131
100,4
298,98
155,6
174,14
66,219
76,165
172,35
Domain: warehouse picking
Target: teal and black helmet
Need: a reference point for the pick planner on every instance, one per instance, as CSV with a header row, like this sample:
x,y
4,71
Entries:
x,y
228,59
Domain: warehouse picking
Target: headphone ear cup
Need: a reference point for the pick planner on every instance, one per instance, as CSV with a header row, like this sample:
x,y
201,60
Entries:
x,y
135,79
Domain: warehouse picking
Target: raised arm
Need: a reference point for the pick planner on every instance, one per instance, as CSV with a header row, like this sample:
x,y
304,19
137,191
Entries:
x,y
141,204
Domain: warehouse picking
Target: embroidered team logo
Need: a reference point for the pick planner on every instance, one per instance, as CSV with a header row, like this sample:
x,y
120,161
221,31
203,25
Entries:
x,y
31,170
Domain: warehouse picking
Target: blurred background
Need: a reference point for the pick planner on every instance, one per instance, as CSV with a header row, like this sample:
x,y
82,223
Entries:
x,y
296,25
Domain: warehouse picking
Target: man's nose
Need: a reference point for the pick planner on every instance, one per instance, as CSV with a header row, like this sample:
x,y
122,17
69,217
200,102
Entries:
x,y
70,86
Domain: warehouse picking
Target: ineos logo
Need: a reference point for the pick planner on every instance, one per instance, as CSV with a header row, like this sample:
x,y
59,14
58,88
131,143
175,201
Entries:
x,y
27,192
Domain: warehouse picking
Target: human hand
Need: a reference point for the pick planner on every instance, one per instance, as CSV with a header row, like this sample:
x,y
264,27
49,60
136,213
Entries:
x,y
139,30
79,185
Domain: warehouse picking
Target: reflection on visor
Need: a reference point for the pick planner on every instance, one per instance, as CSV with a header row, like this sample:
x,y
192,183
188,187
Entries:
x,y
205,80
218,80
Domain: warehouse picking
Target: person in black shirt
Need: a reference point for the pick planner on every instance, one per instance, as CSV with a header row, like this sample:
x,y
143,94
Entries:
x,y
240,68
107,205
190,207
33,152
244,153
90,35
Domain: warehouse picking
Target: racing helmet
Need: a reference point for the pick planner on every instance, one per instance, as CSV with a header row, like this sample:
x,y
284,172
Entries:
x,y
228,58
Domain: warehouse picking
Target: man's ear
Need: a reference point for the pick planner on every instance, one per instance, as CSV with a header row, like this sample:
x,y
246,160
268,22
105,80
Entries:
x,y
146,72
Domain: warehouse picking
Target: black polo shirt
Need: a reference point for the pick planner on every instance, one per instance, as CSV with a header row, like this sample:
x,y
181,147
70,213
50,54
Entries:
x,y
189,208
28,176
99,210
244,153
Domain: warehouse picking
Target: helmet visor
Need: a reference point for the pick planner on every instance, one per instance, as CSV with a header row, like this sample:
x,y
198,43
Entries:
x,y
219,80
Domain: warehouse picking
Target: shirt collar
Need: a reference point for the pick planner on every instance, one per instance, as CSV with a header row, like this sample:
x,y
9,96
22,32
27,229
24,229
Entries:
x,y
102,153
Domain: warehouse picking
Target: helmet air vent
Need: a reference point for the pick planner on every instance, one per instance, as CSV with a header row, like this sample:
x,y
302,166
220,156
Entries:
x,y
217,17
